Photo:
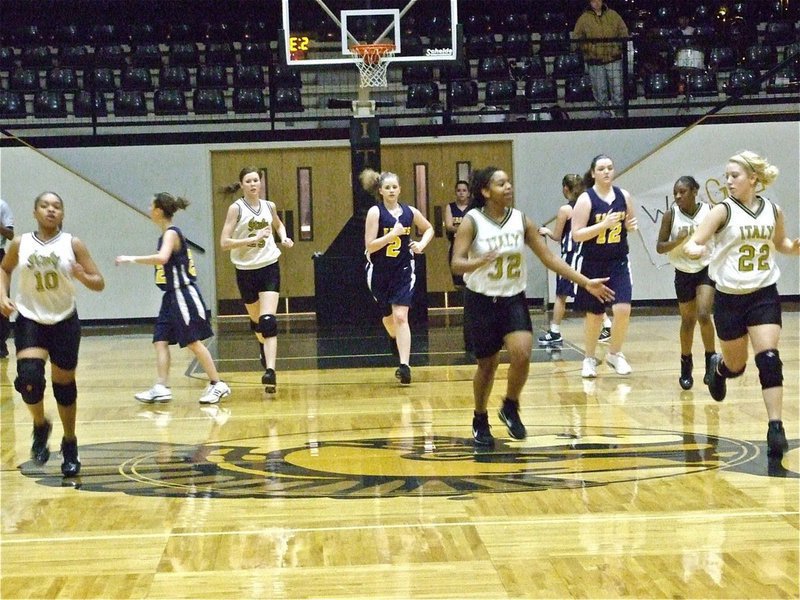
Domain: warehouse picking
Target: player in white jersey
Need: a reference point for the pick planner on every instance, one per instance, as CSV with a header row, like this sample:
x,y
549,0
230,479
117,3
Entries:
x,y
693,286
747,230
247,234
489,250
47,321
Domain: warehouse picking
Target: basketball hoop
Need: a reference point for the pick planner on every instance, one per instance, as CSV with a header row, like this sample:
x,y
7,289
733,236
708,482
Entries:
x,y
373,63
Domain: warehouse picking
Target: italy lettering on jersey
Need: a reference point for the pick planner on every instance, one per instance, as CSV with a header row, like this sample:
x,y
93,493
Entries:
x,y
611,244
45,288
684,224
263,252
506,275
743,260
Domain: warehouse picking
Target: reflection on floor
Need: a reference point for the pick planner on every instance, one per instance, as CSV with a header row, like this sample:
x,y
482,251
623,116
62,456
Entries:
x,y
302,345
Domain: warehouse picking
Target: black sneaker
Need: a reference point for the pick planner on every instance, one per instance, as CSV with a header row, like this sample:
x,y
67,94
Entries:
x,y
69,452
482,431
605,335
270,381
707,374
716,382
686,380
509,415
776,439
403,373
39,450
551,339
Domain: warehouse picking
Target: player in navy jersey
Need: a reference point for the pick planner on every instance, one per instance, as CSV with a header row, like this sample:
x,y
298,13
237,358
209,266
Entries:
x,y
453,215
601,219
747,230
47,325
490,252
693,287
390,258
183,318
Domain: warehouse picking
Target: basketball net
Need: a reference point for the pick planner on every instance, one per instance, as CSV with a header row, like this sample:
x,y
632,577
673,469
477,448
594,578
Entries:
x,y
373,63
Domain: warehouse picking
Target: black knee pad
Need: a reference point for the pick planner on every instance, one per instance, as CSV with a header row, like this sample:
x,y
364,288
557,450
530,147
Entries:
x,y
770,369
30,381
727,373
268,325
65,393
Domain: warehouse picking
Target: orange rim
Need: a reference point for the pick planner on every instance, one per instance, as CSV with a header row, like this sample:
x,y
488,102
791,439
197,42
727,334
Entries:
x,y
372,49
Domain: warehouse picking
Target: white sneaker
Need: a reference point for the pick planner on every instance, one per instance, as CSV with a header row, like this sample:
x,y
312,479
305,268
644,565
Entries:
x,y
589,367
158,393
214,393
618,363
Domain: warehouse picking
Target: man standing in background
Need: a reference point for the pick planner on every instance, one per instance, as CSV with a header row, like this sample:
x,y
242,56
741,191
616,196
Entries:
x,y
6,233
603,59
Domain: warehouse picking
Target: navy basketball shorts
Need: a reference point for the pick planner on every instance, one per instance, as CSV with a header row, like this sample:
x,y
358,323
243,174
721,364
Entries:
x,y
734,313
251,282
686,284
619,274
61,340
487,320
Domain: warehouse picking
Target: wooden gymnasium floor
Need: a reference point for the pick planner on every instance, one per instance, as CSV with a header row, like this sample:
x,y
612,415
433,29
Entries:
x,y
345,485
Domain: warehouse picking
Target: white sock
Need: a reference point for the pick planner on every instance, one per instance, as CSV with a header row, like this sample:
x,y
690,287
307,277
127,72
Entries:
x,y
555,327
606,322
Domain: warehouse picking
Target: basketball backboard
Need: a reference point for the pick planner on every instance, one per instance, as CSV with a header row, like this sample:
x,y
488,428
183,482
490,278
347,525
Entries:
x,y
323,32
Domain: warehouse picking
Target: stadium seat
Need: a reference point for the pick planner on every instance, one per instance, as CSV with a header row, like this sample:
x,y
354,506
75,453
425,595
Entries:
x,y
422,95
254,53
113,56
212,77
100,79
209,102
703,83
169,102
541,90
88,103
463,93
742,82
578,88
49,104
62,78
417,74
136,78
36,56
248,76
660,85
146,55
24,79
493,68
722,58
174,77
12,105
553,43
74,56
220,53
184,54
130,103
567,65
249,100
500,92
287,100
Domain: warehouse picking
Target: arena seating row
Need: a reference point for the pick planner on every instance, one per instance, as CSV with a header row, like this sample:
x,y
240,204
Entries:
x,y
200,68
